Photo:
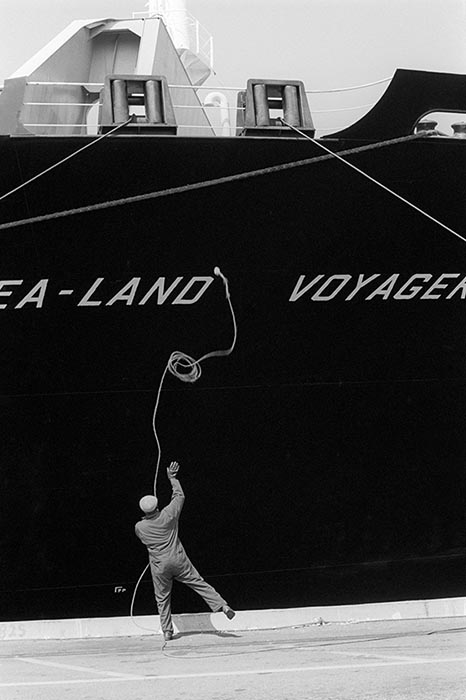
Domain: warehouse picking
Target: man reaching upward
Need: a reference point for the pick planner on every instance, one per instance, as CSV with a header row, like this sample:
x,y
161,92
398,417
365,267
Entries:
x,y
158,530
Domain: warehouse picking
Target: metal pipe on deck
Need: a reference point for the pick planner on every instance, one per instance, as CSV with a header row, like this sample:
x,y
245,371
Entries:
x,y
153,101
291,105
120,101
261,105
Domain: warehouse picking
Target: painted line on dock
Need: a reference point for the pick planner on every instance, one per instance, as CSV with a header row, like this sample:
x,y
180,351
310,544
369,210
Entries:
x,y
222,674
69,667
370,654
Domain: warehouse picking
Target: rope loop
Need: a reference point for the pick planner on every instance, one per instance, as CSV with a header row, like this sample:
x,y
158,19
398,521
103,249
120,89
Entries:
x,y
187,369
184,367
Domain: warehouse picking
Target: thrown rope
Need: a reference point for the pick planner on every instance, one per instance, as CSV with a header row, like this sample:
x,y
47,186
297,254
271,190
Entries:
x,y
187,369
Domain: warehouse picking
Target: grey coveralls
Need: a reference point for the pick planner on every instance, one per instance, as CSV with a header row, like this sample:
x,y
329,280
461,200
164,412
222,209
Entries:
x,y
168,559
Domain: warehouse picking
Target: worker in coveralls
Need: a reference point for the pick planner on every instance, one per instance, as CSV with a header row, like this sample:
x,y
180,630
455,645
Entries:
x,y
158,530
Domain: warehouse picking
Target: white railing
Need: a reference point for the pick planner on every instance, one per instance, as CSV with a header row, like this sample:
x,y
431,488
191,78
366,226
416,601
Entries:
x,y
222,123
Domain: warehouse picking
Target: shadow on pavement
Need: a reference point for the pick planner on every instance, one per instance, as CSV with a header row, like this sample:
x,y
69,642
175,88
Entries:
x,y
213,632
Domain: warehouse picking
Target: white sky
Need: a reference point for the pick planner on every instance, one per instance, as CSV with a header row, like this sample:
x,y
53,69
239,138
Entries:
x,y
325,43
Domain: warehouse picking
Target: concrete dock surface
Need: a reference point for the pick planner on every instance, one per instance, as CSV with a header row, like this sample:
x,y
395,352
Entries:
x,y
387,660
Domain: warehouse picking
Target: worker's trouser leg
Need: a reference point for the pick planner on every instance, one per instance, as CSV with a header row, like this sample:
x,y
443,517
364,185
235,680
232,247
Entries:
x,y
162,590
182,570
191,577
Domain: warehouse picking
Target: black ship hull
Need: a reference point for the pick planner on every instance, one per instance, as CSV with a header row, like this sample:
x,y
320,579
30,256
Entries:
x,y
323,460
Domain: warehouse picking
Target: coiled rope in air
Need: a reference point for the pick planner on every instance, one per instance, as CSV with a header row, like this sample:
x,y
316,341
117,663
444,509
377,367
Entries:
x,y
186,369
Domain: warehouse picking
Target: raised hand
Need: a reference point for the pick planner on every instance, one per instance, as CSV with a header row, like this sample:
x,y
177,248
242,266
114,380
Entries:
x,y
172,470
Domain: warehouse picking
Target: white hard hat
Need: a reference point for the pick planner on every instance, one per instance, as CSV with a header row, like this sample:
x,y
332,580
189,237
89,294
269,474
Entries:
x,y
148,503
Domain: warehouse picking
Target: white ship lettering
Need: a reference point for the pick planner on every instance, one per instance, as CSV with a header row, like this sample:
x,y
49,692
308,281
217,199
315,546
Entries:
x,y
421,285
181,290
